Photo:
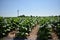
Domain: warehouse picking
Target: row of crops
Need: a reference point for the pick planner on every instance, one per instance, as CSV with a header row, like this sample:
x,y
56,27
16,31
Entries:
x,y
24,25
45,31
48,26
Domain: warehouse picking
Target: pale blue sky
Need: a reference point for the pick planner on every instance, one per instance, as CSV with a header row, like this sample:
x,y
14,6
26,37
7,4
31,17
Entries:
x,y
29,7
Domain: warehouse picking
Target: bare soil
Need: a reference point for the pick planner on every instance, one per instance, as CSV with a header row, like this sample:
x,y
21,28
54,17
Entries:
x,y
33,33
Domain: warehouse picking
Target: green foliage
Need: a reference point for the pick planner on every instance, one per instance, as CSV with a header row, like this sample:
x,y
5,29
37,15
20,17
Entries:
x,y
24,25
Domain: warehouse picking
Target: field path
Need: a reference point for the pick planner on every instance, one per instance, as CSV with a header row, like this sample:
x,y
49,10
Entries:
x,y
54,36
33,33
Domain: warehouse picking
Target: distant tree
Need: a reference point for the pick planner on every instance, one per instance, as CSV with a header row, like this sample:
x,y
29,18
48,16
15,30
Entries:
x,y
31,16
21,16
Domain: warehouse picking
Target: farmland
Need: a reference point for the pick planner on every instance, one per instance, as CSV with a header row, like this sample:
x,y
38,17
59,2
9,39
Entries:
x,y
47,26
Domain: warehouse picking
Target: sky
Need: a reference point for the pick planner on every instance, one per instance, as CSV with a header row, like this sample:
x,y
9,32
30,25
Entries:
x,y
8,8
